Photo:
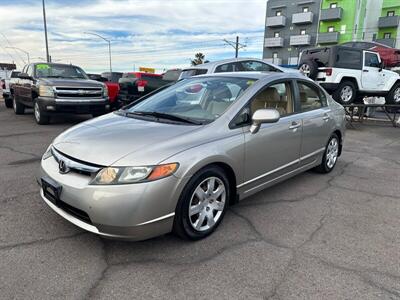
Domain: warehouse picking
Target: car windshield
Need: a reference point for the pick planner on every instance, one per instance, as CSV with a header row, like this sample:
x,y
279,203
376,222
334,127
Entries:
x,y
195,100
59,71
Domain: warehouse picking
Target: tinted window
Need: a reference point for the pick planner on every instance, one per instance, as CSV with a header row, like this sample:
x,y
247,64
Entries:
x,y
277,96
225,68
371,60
349,59
14,74
59,71
252,65
172,75
310,97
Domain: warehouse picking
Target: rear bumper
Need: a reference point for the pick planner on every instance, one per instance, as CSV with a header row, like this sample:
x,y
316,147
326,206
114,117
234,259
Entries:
x,y
73,106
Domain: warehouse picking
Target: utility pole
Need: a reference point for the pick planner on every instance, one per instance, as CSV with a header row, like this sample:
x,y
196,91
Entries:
x,y
45,32
109,46
236,45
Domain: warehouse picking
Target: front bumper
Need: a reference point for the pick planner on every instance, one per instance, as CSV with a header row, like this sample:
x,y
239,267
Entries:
x,y
73,106
130,212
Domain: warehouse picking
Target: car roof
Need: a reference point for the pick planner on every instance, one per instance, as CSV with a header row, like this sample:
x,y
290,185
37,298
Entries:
x,y
256,75
219,62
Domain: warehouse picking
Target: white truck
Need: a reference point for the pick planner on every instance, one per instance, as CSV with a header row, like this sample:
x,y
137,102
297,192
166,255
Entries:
x,y
350,74
7,83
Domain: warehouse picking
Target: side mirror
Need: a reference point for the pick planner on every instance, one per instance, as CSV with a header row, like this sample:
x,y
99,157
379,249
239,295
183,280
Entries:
x,y
24,76
264,116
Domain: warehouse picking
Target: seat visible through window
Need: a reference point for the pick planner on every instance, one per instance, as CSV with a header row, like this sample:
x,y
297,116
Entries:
x,y
277,96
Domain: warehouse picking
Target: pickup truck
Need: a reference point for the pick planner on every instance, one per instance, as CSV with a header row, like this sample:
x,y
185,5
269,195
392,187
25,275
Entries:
x,y
112,87
350,74
52,89
134,85
7,87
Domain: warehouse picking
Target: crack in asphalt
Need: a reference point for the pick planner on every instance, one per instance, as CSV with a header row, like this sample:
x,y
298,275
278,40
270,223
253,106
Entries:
x,y
19,151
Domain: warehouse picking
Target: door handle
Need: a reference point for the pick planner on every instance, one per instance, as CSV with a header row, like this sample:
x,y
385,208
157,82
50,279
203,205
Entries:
x,y
294,125
325,117
365,71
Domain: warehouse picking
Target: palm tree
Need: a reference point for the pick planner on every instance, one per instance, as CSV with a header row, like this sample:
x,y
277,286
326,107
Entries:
x,y
198,59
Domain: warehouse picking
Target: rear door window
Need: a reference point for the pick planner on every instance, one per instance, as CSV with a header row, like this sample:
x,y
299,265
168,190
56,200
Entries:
x,y
311,97
192,72
225,68
253,65
348,59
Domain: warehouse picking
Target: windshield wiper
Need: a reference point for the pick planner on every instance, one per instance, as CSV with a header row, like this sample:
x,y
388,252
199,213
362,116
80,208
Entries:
x,y
160,115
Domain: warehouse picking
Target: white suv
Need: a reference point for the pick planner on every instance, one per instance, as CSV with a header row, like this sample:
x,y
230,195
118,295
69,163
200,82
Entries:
x,y
350,74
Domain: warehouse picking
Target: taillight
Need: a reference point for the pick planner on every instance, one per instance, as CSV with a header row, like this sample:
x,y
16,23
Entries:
x,y
328,72
141,83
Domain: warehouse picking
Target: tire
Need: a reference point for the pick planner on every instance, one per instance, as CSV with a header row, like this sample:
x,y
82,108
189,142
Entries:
x,y
40,117
19,108
394,95
8,102
346,93
309,68
330,157
211,210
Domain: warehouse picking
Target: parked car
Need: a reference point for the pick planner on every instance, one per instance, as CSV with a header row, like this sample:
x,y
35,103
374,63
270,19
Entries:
x,y
350,74
53,89
390,56
112,87
233,65
165,164
7,87
134,85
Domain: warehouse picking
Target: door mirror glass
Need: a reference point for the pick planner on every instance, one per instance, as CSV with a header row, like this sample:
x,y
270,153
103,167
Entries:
x,y
264,116
24,76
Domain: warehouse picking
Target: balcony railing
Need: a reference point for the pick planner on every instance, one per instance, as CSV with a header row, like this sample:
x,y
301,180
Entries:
x,y
276,21
328,38
331,14
388,42
387,22
274,42
300,40
303,18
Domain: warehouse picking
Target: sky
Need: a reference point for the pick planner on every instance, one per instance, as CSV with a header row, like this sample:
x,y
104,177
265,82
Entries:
x,y
161,34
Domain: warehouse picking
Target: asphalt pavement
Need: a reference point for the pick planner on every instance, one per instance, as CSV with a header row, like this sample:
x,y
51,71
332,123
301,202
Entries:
x,y
314,236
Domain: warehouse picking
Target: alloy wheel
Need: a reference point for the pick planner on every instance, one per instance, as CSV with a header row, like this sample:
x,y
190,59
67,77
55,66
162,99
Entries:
x,y
14,104
305,69
346,94
332,153
207,204
396,96
36,110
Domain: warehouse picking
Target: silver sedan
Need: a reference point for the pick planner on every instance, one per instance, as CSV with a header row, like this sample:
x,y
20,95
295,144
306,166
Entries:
x,y
175,160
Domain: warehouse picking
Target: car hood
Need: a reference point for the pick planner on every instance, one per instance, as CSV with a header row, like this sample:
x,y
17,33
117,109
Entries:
x,y
71,82
110,138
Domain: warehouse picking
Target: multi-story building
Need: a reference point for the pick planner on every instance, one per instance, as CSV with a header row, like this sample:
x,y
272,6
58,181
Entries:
x,y
293,25
389,23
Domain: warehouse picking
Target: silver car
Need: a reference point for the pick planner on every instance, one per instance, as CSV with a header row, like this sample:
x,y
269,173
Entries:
x,y
177,159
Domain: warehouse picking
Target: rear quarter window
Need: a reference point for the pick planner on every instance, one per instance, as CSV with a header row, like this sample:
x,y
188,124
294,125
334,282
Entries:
x,y
348,59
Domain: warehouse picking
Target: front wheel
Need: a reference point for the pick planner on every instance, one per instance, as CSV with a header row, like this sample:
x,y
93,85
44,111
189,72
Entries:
x,y
346,93
40,117
331,155
394,95
202,204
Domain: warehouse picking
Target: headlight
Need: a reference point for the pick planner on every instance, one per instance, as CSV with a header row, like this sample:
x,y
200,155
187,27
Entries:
x,y
48,153
125,175
46,91
105,91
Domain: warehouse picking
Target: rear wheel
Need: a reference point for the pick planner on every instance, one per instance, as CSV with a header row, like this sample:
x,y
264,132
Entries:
x,y
394,95
40,117
202,204
346,93
8,102
19,108
309,68
331,155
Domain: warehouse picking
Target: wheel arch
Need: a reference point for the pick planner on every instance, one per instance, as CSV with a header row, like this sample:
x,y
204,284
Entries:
x,y
340,136
351,79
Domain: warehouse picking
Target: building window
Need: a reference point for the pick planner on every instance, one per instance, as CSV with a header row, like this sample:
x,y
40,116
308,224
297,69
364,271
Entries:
x,y
387,35
275,55
306,9
302,32
278,13
276,34
331,29
333,5
390,13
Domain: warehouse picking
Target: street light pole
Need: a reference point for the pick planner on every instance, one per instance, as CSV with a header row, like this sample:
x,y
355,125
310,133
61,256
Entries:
x,y
109,45
45,32
26,52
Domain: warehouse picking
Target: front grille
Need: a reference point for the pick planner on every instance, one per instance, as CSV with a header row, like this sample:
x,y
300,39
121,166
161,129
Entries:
x,y
77,92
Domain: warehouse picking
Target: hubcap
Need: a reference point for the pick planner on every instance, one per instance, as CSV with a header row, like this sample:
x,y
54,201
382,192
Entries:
x,y
305,69
37,112
346,94
332,153
207,204
396,96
